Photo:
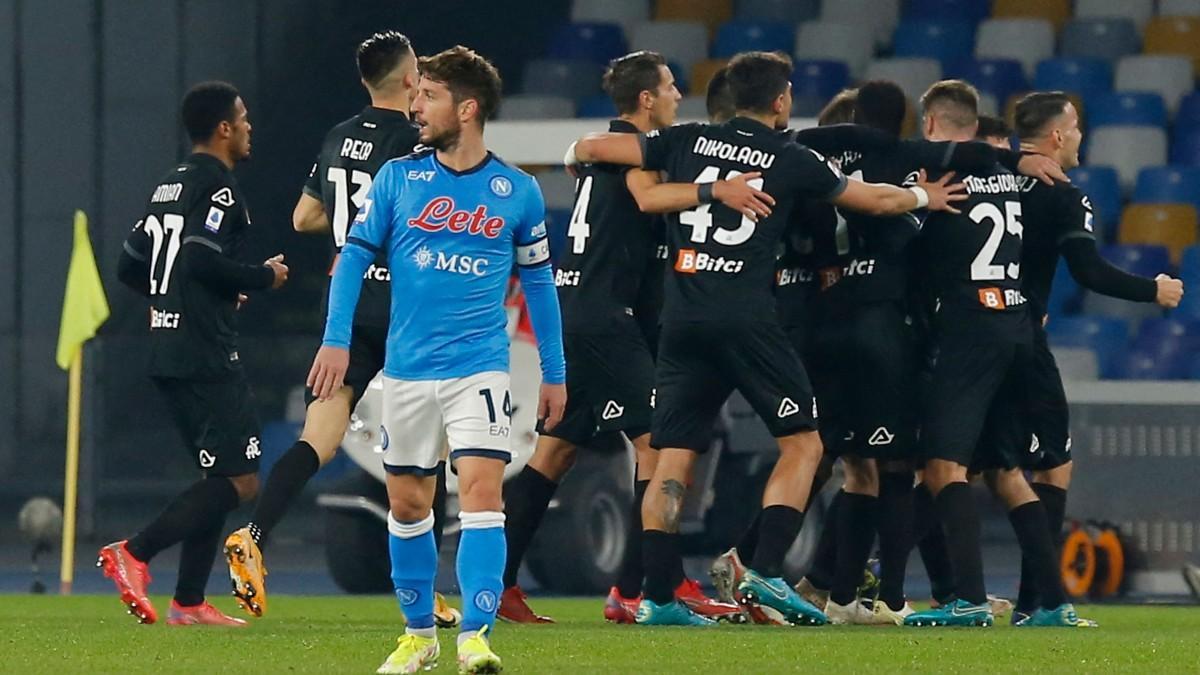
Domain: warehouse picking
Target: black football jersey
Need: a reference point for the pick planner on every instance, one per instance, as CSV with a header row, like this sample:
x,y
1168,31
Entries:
x,y
193,331
1052,215
610,246
973,258
648,306
723,265
351,155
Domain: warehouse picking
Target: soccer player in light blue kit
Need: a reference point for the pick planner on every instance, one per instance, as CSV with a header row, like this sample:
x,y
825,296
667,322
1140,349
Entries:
x,y
453,220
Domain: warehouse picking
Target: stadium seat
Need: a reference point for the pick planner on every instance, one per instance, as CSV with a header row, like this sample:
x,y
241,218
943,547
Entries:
x,y
556,229
1168,184
738,36
1140,365
683,42
1076,364
1095,304
783,11
1103,187
558,188
627,13
1055,11
1106,337
1170,225
600,105
1169,76
988,104
1189,263
1002,78
1188,114
912,75
1189,307
949,10
814,83
947,41
1185,148
1146,260
1179,7
1174,35
1137,11
1104,39
1163,335
1025,40
1140,108
552,77
836,41
693,108
1083,76
701,73
711,13
536,107
1128,150
596,42
882,15
1064,292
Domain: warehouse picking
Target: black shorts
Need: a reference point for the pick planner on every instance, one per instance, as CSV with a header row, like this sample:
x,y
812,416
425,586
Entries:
x,y
610,385
701,363
218,422
1045,442
368,350
974,413
864,368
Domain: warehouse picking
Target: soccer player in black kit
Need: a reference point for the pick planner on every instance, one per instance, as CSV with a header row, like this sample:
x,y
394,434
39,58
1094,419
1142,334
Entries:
x,y
983,351
612,245
1058,221
350,155
720,329
182,255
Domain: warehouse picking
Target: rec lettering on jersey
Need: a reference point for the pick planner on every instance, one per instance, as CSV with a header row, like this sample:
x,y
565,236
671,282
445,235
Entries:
x,y
440,213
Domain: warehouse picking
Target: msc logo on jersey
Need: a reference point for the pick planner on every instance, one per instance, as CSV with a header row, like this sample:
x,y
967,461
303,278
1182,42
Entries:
x,y
212,222
224,197
440,214
454,263
501,186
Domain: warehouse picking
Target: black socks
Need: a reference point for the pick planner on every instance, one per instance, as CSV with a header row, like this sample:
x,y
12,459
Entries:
x,y
195,510
778,526
288,477
526,500
960,523
931,540
1037,548
629,579
855,533
662,562
895,507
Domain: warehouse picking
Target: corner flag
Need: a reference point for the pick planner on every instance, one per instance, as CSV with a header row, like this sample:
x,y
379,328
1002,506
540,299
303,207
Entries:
x,y
85,307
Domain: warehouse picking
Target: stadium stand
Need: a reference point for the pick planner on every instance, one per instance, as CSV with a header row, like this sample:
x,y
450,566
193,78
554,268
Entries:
x,y
711,13
702,72
693,108
1002,78
1103,187
627,13
1185,148
913,75
1137,11
838,41
599,105
882,15
1024,40
535,107
1104,39
1174,35
1129,108
684,42
782,11
1169,76
1076,364
552,77
1128,149
973,11
1168,184
1106,337
1169,225
947,41
815,82
1086,77
1055,11
596,42
1179,7
745,35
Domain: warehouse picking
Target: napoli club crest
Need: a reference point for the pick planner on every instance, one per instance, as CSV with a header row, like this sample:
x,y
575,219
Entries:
x,y
501,186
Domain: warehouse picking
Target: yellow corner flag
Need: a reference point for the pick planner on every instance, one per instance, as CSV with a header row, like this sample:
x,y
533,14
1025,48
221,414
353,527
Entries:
x,y
85,307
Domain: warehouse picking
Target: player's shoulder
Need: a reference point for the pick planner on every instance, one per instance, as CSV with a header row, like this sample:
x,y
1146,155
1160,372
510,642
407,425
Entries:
x,y
684,128
503,171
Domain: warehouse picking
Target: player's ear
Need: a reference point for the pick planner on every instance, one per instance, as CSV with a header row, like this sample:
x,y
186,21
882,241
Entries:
x,y
646,99
468,109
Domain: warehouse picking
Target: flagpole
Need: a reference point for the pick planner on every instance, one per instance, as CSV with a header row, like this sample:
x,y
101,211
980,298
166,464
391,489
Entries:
x,y
71,480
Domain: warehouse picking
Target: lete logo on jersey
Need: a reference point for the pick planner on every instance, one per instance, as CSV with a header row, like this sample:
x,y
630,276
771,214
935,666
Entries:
x,y
440,214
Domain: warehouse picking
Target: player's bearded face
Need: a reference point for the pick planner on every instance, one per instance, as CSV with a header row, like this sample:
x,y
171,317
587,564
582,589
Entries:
x,y
436,114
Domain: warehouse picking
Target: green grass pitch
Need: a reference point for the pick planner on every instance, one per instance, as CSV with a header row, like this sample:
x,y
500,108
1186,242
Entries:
x,y
354,635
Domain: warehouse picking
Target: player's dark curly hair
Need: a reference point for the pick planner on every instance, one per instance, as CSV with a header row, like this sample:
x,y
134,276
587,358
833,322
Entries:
x,y
758,78
1036,110
379,55
991,126
881,104
628,76
718,100
205,106
467,75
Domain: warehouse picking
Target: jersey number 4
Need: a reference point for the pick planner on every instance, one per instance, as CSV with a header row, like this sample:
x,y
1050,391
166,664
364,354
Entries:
x,y
700,218
579,229
164,241
342,199
984,267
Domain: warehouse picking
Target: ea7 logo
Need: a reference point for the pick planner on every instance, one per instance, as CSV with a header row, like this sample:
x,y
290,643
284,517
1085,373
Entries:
x,y
426,176
224,197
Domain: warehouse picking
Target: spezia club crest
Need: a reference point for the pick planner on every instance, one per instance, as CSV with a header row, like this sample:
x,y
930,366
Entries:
x,y
501,186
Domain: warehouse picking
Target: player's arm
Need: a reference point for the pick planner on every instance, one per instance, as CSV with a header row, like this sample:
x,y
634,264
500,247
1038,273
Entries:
x,y
309,215
654,196
834,139
205,235
133,267
368,235
878,199
979,156
541,298
606,148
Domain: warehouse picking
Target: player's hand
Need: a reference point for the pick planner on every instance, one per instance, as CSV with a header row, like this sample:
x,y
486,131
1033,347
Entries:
x,y
1170,291
1043,168
241,300
739,195
942,195
552,400
275,262
328,371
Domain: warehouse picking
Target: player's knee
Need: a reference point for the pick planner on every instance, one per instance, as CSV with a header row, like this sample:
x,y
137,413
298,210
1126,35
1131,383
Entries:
x,y
553,459
480,495
408,507
1059,476
246,486
805,446
1011,487
862,476
940,473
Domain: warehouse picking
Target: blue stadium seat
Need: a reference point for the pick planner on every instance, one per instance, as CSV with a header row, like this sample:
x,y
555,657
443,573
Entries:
x,y
742,36
973,11
1107,337
815,82
553,77
556,229
595,42
1168,184
1084,76
1188,115
783,11
999,77
1126,108
1140,365
1103,188
1105,38
1189,266
599,105
681,76
1165,336
947,41
1185,148
1064,294
1146,260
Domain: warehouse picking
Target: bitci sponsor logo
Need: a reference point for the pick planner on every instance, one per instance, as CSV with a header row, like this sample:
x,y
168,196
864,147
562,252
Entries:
x,y
691,261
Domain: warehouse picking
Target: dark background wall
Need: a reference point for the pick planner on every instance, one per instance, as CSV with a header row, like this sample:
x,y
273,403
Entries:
x,y
89,91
